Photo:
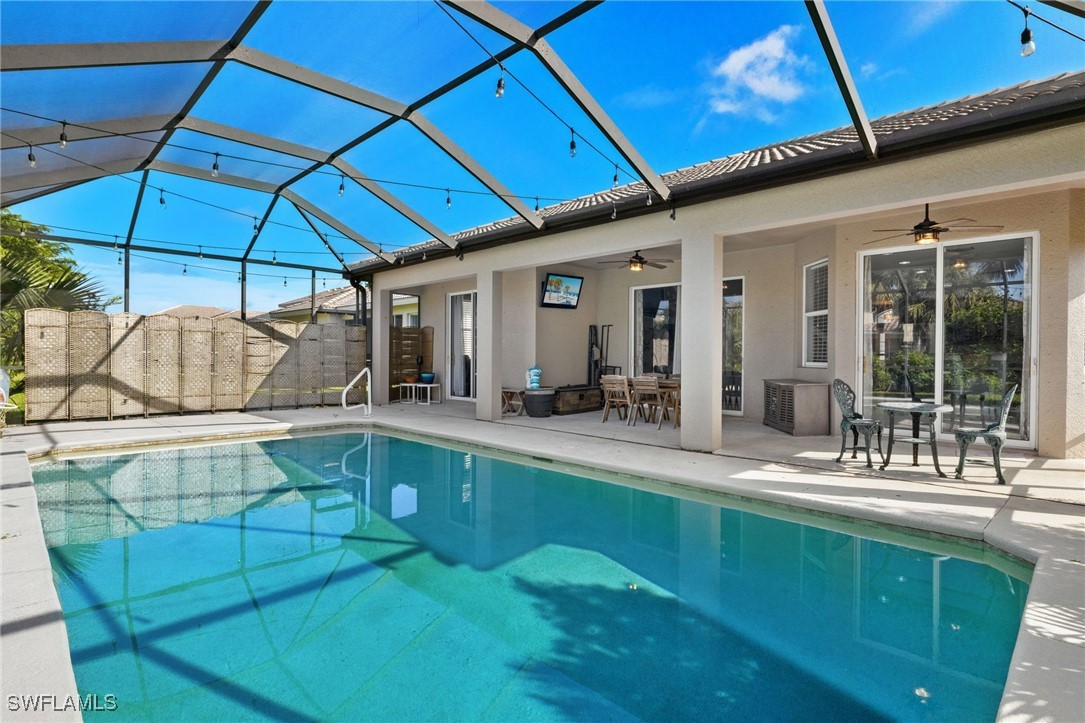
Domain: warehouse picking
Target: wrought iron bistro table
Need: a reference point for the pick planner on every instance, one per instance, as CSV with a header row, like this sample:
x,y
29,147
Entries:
x,y
917,410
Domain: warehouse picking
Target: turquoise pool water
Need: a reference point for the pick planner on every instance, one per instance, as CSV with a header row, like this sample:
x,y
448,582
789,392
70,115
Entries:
x,y
365,577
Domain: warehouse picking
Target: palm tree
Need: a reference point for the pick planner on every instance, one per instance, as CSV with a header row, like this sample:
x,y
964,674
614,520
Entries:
x,y
24,284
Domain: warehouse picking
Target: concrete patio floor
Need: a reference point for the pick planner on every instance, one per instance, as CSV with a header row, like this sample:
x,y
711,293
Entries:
x,y
1038,517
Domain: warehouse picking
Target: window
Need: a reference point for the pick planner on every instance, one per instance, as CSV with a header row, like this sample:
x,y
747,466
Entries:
x,y
655,338
815,329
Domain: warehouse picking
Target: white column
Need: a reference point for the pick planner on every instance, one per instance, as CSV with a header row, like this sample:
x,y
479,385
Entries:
x,y
488,353
702,343
379,325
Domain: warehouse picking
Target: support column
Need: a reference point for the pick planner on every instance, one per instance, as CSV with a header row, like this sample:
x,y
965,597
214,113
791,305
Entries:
x,y
488,353
379,332
702,344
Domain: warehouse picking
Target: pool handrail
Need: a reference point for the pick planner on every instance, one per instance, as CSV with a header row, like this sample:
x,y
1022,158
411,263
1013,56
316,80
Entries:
x,y
368,404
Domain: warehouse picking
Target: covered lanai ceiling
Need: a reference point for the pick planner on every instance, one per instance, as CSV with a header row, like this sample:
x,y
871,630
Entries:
x,y
329,136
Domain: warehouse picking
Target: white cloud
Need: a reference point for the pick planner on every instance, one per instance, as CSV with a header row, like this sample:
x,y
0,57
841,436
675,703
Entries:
x,y
763,73
868,69
927,15
648,96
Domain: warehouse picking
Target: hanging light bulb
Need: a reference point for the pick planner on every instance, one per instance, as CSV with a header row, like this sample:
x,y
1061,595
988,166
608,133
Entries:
x,y
500,92
31,159
162,199
613,211
201,252
342,185
537,206
215,167
615,176
274,258
448,198
572,143
1028,46
184,271
284,281
323,283
674,214
120,259
255,224
424,257
63,134
239,277
114,242
649,203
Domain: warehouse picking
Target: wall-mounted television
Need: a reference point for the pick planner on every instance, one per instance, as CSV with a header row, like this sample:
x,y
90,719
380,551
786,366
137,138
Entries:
x,y
561,291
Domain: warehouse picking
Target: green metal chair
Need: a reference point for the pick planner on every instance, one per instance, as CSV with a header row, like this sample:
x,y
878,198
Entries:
x,y
854,421
993,434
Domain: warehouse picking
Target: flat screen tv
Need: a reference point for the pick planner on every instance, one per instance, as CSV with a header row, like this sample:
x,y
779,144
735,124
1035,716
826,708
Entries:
x,y
561,291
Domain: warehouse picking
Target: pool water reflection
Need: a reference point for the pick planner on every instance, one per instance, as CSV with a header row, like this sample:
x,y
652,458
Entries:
x,y
363,576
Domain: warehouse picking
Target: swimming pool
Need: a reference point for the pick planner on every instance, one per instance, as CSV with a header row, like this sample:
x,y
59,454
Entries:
x,y
363,576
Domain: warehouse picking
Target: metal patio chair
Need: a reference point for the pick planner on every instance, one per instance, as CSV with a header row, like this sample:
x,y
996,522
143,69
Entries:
x,y
855,422
993,434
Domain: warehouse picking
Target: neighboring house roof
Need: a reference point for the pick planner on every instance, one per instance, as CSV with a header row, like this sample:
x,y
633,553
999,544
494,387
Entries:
x,y
186,311
329,301
1054,100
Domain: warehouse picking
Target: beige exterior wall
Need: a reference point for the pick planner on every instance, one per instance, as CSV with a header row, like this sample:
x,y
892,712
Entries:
x,y
1026,183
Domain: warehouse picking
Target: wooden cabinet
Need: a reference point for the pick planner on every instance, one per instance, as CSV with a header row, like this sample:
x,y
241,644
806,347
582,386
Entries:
x,y
799,408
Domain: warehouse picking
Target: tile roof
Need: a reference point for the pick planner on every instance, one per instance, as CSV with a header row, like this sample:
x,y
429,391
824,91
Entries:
x,y
944,122
186,311
325,299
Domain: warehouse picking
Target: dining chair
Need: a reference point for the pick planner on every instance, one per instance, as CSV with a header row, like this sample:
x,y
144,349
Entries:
x,y
855,422
616,395
993,434
647,400
672,404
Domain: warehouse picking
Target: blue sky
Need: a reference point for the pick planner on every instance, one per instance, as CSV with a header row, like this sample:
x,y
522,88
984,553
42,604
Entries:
x,y
686,82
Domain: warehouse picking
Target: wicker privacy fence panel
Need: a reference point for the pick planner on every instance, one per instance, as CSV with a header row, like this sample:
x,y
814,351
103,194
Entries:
x,y
89,365
128,347
46,352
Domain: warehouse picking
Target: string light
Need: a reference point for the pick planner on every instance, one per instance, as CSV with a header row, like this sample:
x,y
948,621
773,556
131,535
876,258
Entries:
x,y
536,205
649,203
1028,46
63,134
613,211
500,92
448,198
572,143
215,167
201,252
255,225
323,283
120,259
162,199
674,213
284,281
274,258
114,242
615,176
30,157
342,185
239,277
184,272
424,257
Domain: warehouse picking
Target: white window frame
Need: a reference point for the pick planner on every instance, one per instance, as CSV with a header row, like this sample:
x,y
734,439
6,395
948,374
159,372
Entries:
x,y
807,315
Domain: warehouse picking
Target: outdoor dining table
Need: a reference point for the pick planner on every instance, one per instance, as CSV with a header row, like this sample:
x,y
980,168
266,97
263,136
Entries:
x,y
917,410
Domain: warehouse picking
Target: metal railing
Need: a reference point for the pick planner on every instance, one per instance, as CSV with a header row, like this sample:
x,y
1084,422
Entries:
x,y
368,392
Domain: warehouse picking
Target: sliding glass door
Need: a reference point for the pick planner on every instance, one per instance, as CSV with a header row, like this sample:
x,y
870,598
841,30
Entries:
x,y
952,322
655,332
461,345
733,307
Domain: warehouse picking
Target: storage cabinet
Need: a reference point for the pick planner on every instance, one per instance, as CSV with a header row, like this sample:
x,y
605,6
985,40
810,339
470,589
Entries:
x,y
799,408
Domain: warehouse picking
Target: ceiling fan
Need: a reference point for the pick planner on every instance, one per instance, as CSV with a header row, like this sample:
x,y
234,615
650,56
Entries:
x,y
928,231
637,262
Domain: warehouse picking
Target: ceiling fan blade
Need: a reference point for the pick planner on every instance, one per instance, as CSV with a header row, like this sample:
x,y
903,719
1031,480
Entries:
x,y
886,238
960,228
623,263
662,261
890,230
654,265
946,223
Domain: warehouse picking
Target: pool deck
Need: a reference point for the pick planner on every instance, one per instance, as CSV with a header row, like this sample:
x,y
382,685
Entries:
x,y
1039,516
